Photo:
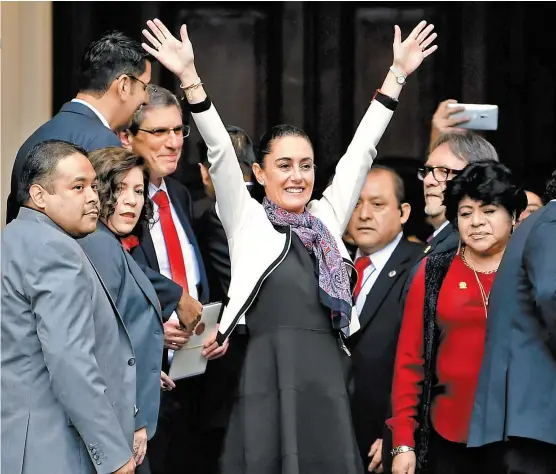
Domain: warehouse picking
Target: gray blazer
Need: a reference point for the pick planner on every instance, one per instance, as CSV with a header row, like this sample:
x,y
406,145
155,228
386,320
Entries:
x,y
138,305
516,393
68,367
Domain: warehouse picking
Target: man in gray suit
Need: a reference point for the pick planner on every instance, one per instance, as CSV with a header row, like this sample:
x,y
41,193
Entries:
x,y
515,400
68,367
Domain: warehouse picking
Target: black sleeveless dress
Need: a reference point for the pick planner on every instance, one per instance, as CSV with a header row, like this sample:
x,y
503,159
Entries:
x,y
292,414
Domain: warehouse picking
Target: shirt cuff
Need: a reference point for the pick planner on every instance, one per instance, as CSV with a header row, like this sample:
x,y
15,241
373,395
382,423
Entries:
x,y
201,106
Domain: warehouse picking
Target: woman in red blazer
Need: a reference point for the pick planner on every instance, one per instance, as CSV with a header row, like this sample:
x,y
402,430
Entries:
x,y
443,330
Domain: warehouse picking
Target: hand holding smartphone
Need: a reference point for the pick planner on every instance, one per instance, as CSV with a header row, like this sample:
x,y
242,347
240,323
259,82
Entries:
x,y
480,116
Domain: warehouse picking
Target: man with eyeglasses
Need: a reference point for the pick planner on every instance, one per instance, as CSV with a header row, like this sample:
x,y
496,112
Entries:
x,y
113,83
449,154
170,247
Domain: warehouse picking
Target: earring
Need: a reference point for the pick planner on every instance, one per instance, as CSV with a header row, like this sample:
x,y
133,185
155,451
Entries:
x,y
262,182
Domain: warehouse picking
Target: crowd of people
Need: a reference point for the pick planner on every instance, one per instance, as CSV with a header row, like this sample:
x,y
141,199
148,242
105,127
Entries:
x,y
342,346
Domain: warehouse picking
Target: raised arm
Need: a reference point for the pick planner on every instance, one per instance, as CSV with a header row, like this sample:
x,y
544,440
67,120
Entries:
x,y
232,196
340,197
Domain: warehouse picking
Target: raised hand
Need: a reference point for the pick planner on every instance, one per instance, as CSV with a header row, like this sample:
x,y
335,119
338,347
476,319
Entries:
x,y
174,55
409,55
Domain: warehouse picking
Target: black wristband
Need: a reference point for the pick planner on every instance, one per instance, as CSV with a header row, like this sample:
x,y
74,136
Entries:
x,y
201,106
387,101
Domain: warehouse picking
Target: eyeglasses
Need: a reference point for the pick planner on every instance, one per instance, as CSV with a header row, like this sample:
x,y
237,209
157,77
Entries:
x,y
146,87
440,173
179,131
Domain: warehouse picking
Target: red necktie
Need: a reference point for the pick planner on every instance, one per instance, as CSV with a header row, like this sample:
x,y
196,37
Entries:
x,y
360,265
171,239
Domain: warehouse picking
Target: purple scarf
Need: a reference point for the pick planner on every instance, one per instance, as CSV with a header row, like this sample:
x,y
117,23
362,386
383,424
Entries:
x,y
334,283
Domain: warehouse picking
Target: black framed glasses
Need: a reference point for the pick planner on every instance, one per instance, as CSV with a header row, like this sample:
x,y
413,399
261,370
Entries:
x,y
146,87
179,131
439,173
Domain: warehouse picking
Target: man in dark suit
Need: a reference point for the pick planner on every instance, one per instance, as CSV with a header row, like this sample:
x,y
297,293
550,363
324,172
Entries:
x,y
515,401
113,82
170,247
383,260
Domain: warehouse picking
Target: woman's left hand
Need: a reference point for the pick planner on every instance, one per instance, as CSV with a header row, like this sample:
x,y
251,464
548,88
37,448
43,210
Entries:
x,y
211,348
409,55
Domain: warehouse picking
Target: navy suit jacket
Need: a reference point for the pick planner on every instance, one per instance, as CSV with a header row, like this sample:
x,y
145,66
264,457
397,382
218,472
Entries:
x,y
145,253
516,393
75,123
140,310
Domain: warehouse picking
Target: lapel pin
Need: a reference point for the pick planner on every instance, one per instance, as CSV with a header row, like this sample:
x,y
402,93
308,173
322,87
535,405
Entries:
x,y
392,273
462,285
427,249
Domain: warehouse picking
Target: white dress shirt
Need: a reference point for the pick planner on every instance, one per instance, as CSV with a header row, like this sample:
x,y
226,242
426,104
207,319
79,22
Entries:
x,y
97,113
370,275
440,229
189,258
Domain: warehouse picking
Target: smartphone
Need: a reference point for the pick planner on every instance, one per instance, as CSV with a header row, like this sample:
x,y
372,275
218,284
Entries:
x,y
481,116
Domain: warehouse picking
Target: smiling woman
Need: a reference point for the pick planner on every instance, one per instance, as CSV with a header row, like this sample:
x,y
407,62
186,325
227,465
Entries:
x,y
438,389
289,281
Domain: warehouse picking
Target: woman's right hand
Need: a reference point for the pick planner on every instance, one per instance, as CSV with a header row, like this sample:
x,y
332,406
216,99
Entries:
x,y
404,463
176,56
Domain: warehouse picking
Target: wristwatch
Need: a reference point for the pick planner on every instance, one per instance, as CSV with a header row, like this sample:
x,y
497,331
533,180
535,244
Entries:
x,y
400,76
401,449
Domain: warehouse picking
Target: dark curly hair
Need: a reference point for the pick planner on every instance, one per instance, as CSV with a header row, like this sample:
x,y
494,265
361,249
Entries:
x,y
550,191
489,182
111,165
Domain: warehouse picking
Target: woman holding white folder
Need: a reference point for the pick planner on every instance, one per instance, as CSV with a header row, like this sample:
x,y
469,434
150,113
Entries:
x,y
290,274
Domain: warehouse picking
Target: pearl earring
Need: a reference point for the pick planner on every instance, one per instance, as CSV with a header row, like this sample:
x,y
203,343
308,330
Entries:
x,y
262,182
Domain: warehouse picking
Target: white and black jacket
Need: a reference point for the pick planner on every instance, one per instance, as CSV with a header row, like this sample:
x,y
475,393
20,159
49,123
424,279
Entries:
x,y
256,247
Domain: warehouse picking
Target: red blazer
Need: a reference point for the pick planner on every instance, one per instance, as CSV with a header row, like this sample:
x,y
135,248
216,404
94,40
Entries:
x,y
461,319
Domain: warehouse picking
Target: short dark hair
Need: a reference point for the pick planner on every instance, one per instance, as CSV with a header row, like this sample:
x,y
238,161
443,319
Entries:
x,y
399,186
550,191
40,166
467,146
243,146
489,182
111,165
107,59
158,97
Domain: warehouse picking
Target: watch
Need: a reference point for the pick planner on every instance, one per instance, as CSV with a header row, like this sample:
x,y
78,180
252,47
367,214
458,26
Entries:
x,y
401,78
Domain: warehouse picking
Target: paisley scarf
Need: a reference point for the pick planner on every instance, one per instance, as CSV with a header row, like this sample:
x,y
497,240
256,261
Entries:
x,y
334,284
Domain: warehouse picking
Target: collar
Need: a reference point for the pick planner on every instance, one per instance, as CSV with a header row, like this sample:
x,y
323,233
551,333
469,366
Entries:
x,y
440,229
153,189
97,113
380,258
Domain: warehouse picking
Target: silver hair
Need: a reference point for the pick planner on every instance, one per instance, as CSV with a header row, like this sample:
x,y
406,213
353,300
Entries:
x,y
468,146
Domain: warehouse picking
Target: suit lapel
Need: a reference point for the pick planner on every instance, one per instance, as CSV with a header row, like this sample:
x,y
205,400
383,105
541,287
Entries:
x,y
107,293
143,282
147,246
384,283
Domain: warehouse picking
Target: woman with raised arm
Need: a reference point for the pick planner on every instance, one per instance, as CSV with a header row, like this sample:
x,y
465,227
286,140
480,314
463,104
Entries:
x,y
290,283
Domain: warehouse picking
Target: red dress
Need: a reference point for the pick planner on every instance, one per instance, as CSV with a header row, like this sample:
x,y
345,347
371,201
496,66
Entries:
x,y
462,322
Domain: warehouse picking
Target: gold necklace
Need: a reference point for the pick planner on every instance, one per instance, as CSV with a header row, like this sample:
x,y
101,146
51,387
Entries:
x,y
484,295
